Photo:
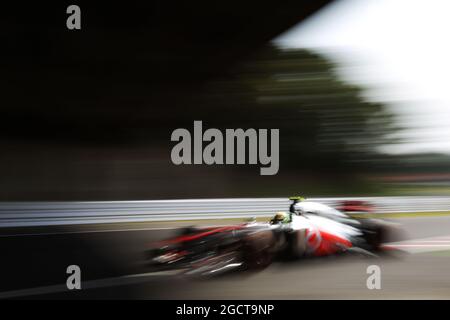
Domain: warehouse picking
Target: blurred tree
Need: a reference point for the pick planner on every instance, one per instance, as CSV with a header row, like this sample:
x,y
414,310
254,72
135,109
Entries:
x,y
324,123
114,143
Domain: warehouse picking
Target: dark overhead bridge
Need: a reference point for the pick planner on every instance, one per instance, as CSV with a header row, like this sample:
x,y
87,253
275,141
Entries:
x,y
129,64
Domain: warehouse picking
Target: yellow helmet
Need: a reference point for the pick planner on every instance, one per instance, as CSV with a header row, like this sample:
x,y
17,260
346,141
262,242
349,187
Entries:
x,y
280,217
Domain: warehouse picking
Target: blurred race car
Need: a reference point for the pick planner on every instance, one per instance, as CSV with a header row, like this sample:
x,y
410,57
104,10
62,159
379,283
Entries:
x,y
308,229
355,206
215,250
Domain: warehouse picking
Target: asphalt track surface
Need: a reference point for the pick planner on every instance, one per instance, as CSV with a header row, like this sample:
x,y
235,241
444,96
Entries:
x,y
34,262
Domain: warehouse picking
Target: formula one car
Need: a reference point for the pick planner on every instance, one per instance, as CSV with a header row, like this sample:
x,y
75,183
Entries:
x,y
308,229
215,250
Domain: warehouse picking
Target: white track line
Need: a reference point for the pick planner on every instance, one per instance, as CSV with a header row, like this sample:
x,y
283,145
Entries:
x,y
91,284
82,232
422,245
98,231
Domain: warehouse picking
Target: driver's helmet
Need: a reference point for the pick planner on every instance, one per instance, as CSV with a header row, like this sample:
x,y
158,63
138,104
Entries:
x,y
280,217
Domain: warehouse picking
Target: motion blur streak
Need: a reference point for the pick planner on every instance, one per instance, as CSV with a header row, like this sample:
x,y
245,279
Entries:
x,y
358,91
107,256
66,213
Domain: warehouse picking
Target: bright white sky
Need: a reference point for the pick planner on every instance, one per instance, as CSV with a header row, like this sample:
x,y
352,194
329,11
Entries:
x,y
400,51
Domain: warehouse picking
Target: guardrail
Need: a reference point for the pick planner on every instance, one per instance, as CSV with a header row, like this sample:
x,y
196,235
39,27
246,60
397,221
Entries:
x,y
15,214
